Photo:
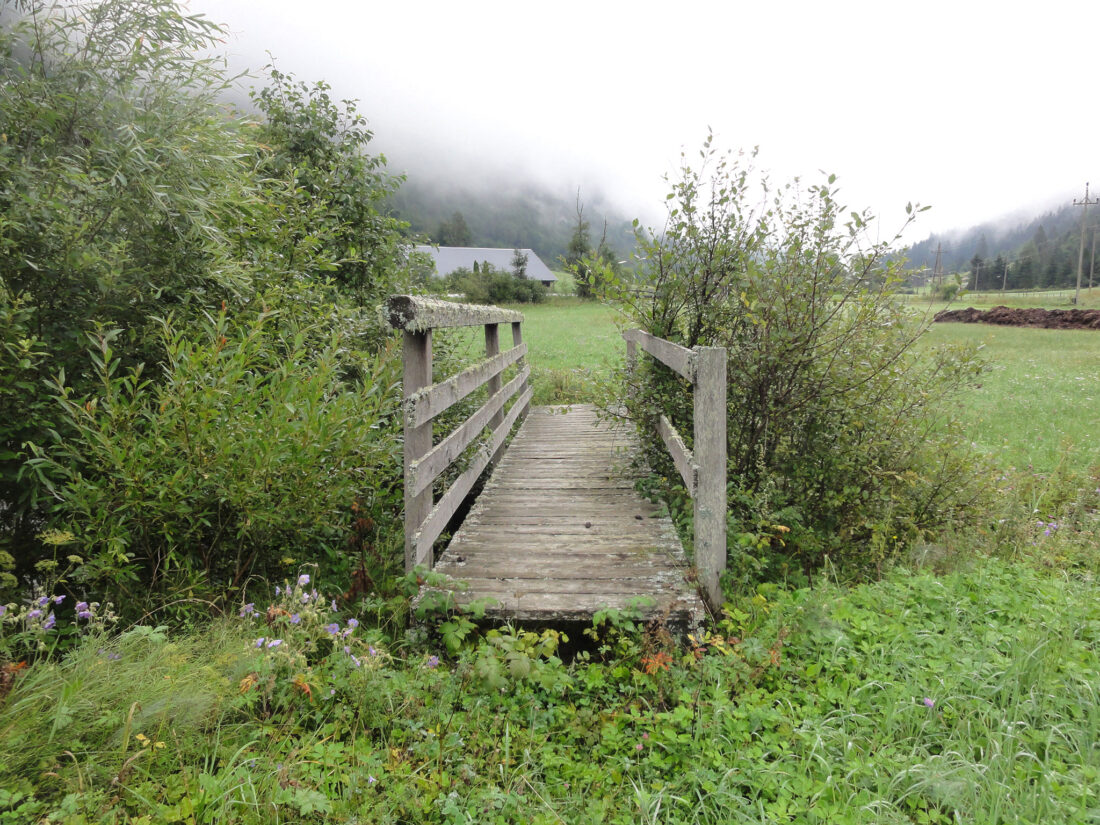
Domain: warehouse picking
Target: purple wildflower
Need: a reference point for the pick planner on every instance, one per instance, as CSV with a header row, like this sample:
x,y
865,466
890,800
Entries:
x,y
354,659
333,606
260,641
433,661
45,600
353,623
248,610
3,609
303,580
370,779
84,614
931,703
58,599
34,614
51,620
278,591
274,642
332,629
371,650
295,618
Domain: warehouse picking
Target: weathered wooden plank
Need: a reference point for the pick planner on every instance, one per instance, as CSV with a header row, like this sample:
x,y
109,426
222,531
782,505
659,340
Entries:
x,y
652,584
710,447
415,313
423,472
551,566
681,455
416,358
685,612
431,401
441,514
492,349
568,521
680,359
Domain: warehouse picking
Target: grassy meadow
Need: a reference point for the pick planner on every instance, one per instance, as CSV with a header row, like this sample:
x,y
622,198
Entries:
x,y
1037,405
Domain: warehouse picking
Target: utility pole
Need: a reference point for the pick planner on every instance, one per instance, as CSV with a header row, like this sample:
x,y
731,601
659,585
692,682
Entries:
x,y
1092,259
1081,254
937,273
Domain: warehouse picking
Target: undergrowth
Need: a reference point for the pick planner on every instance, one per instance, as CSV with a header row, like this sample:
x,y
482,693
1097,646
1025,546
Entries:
x,y
968,697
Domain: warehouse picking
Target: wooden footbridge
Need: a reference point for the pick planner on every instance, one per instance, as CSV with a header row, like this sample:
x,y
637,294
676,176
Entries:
x,y
559,531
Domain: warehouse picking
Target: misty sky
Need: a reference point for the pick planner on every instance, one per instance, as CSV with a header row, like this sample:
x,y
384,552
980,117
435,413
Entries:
x,y
977,108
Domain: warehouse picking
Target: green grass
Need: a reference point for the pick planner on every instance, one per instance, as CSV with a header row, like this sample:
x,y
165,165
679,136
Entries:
x,y
572,343
970,697
1037,401
1039,397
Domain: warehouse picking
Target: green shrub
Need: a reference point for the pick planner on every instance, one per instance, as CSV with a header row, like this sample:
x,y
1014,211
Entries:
x,y
493,286
129,192
257,450
832,417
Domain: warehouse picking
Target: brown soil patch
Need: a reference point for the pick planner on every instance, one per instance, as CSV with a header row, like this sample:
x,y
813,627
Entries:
x,y
1009,317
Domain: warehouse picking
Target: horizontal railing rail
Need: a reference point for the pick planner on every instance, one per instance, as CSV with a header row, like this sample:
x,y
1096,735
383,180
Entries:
x,y
425,462
703,469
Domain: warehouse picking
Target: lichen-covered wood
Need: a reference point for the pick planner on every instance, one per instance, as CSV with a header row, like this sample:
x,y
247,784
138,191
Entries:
x,y
681,359
414,313
431,401
681,455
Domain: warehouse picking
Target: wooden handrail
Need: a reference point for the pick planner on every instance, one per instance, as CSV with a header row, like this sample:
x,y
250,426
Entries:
x,y
416,317
703,469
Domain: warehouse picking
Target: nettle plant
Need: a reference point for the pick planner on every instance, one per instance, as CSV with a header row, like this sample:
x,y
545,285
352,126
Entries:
x,y
837,444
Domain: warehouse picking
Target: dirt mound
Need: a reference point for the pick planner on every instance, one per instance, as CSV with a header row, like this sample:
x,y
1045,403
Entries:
x,y
1009,317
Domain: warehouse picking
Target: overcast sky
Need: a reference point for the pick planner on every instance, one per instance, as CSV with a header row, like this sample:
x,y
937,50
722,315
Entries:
x,y
976,108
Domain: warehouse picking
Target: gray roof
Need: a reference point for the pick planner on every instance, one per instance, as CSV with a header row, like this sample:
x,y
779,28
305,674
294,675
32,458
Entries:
x,y
449,258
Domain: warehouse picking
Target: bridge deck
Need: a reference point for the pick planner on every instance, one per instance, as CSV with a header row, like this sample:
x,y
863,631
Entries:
x,y
559,532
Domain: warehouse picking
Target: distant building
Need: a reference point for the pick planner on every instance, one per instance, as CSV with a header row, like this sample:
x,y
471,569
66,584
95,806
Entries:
x,y
449,258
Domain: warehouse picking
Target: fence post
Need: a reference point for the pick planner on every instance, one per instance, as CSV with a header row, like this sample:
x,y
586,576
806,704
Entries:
x,y
517,339
416,357
710,455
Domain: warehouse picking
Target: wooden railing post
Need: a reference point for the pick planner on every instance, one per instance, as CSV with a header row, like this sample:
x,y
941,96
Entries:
x,y
417,360
517,340
710,456
492,348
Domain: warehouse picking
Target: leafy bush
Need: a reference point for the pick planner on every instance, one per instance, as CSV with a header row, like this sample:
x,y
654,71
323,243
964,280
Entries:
x,y
118,167
833,420
129,193
493,286
337,187
255,451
